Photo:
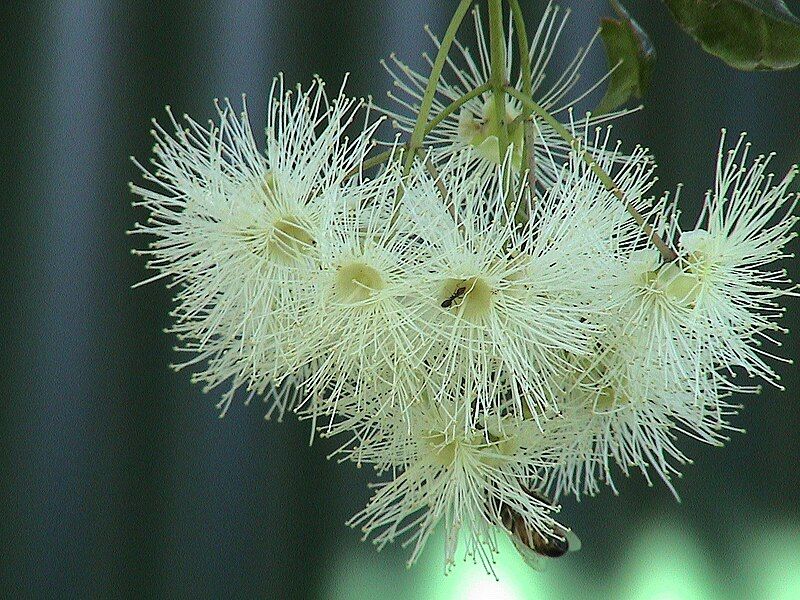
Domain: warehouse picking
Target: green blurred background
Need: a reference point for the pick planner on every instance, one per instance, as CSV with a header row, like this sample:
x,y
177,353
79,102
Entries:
x,y
118,479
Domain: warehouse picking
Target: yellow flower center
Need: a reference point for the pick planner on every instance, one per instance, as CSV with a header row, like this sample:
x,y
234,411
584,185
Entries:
x,y
471,297
609,399
290,240
357,282
680,282
444,452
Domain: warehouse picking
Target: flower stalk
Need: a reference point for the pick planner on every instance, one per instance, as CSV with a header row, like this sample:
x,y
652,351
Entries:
x,y
456,104
528,158
381,158
418,134
498,72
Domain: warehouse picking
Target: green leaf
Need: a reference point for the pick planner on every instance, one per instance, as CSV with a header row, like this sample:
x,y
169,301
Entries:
x,y
750,35
776,9
630,54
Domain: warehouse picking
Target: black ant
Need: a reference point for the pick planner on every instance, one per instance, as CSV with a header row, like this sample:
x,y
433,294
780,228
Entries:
x,y
459,293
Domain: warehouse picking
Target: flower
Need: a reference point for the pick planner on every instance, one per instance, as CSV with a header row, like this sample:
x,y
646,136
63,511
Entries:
x,y
361,325
475,124
680,331
504,300
619,411
237,229
477,481
746,223
476,338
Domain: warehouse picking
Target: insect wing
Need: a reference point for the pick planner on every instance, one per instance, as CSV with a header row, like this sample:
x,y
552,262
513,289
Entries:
x,y
533,559
573,540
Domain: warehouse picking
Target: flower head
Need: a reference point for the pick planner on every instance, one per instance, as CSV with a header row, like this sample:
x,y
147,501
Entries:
x,y
478,482
504,300
478,338
361,324
619,411
237,228
476,125
746,223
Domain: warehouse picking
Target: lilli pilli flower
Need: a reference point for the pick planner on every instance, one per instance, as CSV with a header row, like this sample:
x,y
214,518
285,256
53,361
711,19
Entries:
x,y
236,228
475,125
747,221
479,483
479,339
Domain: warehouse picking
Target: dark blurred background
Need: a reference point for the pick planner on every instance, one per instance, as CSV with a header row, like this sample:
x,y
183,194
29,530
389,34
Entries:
x,y
116,476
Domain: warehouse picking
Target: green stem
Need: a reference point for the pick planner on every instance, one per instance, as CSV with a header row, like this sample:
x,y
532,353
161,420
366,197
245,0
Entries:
x,y
434,174
524,50
529,134
372,162
497,76
667,253
527,89
430,90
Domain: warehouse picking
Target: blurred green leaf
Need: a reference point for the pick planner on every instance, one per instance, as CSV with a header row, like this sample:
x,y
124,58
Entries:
x,y
775,9
630,53
750,35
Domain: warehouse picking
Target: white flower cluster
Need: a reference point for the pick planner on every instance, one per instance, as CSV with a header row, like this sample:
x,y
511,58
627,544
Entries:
x,y
481,343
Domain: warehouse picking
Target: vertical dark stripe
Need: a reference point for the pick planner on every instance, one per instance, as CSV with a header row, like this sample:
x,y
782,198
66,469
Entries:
x,y
164,48
54,421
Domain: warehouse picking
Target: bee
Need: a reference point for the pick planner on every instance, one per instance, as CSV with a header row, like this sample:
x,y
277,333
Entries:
x,y
459,293
532,543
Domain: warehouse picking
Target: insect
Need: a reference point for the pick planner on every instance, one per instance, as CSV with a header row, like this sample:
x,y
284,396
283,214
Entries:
x,y
459,293
531,542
